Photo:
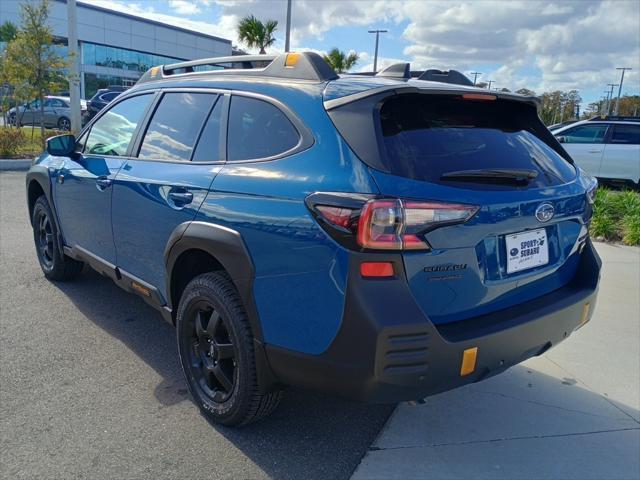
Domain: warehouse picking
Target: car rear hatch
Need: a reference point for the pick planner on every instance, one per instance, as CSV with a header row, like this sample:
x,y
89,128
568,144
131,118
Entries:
x,y
492,158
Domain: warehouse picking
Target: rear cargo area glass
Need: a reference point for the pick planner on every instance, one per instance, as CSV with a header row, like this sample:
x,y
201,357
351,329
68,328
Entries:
x,y
424,137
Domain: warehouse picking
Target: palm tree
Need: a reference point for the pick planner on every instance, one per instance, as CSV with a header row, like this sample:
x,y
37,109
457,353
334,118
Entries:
x,y
341,61
256,34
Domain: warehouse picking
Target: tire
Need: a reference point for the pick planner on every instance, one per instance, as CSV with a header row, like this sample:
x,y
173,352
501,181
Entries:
x,y
212,324
64,124
54,265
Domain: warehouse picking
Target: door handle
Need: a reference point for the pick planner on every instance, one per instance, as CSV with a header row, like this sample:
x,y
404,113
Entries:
x,y
595,151
181,198
103,183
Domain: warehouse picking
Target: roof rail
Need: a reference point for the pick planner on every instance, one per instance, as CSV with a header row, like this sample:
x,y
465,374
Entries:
x,y
397,70
452,76
615,117
295,66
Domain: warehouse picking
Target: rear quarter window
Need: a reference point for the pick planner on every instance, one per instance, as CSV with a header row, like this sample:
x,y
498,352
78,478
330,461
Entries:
x,y
258,129
626,134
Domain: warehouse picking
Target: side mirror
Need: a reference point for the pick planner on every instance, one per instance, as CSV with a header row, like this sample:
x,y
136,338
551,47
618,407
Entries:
x,y
61,145
562,139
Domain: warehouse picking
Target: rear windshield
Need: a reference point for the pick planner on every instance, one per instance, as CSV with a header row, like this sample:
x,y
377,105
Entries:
x,y
426,137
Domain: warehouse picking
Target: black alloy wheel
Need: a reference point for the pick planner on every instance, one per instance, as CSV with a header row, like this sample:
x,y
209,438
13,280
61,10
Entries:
x,y
212,358
45,238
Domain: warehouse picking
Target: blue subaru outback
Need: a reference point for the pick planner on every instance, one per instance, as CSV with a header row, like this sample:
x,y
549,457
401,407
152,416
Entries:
x,y
382,238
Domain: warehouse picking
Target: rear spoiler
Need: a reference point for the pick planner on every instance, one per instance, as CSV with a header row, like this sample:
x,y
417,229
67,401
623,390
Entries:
x,y
412,86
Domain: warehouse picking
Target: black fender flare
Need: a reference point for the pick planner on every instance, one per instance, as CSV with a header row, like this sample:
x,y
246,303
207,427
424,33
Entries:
x,y
228,248
40,174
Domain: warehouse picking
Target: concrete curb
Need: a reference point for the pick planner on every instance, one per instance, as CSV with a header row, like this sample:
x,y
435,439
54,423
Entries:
x,y
15,164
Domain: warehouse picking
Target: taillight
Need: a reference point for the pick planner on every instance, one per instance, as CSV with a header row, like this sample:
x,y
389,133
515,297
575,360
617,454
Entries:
x,y
384,224
398,224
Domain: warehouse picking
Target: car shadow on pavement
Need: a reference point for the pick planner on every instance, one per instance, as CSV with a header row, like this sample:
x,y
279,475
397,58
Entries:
x,y
310,435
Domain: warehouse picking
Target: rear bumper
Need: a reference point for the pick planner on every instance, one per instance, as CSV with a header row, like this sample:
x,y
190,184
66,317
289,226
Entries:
x,y
387,350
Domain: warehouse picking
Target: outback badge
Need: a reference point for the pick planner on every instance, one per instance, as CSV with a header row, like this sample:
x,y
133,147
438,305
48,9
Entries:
x,y
545,212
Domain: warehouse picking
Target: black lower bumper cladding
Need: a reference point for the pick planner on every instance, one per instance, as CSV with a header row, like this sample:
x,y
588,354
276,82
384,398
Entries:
x,y
387,349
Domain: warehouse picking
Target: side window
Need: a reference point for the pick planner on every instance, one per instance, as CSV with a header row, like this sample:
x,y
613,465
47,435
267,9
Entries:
x,y
626,134
175,126
112,133
57,103
208,148
80,143
107,97
258,129
585,134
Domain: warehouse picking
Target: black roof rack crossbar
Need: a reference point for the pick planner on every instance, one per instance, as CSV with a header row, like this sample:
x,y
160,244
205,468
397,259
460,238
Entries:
x,y
452,76
397,70
295,66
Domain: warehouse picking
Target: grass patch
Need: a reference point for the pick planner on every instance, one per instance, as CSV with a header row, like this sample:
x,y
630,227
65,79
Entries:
x,y
616,216
30,145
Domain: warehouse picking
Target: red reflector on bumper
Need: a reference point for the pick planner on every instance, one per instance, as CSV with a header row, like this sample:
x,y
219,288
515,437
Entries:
x,y
376,269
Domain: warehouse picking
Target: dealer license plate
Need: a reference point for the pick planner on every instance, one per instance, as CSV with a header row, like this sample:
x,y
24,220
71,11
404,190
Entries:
x,y
527,250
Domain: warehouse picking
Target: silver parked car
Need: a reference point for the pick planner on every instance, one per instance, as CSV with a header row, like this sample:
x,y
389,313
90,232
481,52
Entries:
x,y
56,111
608,149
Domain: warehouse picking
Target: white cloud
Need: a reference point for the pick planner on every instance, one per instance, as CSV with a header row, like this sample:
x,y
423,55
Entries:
x,y
184,7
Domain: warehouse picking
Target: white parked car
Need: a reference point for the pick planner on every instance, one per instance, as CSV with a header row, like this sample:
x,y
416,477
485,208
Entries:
x,y
608,149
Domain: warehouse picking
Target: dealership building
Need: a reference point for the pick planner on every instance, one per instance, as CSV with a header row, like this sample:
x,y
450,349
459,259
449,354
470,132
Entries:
x,y
117,48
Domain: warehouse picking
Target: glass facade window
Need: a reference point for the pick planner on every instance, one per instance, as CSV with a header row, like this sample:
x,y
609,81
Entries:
x,y
122,58
93,82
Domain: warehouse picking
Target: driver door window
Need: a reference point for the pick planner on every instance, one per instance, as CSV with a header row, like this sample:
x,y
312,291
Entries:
x,y
112,133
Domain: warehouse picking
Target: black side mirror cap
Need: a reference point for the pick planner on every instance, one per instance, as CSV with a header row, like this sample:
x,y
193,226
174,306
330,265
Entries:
x,y
62,145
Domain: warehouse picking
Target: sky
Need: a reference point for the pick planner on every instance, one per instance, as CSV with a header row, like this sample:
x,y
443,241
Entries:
x,y
540,45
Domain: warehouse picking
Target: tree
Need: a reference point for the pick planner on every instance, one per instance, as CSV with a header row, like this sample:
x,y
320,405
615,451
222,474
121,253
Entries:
x,y
526,92
341,61
31,65
256,34
8,31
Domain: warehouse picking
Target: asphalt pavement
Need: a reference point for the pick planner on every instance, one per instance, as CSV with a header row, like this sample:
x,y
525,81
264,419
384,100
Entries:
x,y
91,387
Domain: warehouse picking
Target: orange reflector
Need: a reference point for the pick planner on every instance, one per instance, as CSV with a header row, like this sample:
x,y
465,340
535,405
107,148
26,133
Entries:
x,y
154,71
468,361
479,96
291,60
585,313
376,269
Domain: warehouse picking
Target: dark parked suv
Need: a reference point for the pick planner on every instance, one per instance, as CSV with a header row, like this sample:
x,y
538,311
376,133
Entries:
x,y
101,99
380,238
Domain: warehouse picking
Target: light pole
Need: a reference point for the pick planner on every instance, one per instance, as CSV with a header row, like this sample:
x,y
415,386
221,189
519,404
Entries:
x,y
287,43
489,82
605,102
74,73
612,85
624,69
475,76
375,56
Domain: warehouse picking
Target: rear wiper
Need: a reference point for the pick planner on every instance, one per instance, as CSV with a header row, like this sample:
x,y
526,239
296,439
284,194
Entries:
x,y
498,175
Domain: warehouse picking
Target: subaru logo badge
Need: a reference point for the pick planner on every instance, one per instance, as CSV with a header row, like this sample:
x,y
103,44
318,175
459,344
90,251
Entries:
x,y
545,212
